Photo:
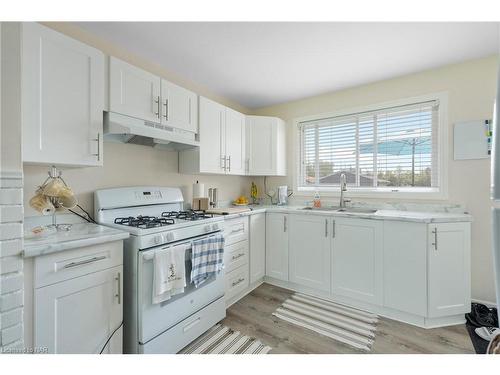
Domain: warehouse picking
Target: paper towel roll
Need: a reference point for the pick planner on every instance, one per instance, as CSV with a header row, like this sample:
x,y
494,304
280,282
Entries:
x,y
198,190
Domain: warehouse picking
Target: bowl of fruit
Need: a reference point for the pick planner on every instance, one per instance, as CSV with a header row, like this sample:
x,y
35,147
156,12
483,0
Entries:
x,y
241,201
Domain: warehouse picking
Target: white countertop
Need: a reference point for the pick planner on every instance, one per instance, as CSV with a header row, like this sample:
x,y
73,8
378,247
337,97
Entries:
x,y
80,235
382,214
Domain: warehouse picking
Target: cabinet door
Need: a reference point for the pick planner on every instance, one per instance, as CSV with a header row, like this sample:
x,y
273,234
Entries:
x,y
310,251
179,107
212,137
261,145
405,267
79,315
62,99
257,247
133,91
235,142
277,246
357,259
449,269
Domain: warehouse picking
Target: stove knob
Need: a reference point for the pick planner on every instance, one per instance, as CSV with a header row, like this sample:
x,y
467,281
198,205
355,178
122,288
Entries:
x,y
215,227
208,228
157,239
170,236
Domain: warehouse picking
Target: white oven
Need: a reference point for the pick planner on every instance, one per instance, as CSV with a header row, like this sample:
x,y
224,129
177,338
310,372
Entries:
x,y
155,320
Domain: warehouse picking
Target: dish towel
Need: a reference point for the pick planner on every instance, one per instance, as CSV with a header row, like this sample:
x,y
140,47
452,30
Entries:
x,y
207,258
169,276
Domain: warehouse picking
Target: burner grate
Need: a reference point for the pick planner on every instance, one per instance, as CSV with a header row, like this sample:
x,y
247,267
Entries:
x,y
191,215
144,222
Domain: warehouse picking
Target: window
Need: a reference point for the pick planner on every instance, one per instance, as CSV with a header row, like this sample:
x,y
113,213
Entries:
x,y
388,149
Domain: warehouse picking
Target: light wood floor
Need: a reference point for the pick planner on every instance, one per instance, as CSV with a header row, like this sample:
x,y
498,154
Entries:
x,y
252,315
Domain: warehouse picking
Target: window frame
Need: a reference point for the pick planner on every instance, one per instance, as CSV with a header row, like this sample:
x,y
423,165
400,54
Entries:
x,y
438,193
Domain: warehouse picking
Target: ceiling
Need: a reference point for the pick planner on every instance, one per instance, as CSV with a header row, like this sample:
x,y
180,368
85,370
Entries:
x,y
261,64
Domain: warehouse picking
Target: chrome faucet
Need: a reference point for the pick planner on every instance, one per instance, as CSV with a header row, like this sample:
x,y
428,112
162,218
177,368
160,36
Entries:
x,y
343,188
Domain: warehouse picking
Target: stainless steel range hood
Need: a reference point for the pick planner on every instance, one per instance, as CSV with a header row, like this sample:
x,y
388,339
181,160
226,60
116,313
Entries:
x,y
120,128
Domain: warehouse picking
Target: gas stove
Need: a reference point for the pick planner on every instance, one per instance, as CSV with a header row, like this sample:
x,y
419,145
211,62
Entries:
x,y
154,214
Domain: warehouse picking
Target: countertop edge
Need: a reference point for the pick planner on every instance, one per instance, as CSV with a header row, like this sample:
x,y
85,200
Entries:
x,y
44,249
375,216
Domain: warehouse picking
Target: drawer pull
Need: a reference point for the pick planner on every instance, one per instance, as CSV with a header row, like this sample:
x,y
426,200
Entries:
x,y
188,326
240,229
239,281
81,263
238,256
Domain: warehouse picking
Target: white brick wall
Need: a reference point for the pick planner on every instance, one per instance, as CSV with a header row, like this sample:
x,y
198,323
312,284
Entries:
x,y
11,263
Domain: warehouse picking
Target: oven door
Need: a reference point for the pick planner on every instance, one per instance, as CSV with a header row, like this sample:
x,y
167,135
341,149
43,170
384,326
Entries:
x,y
154,319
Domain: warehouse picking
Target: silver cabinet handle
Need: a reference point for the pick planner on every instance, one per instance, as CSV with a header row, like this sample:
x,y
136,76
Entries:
x,y
98,140
239,281
247,165
284,224
119,294
166,109
81,263
157,102
229,162
435,243
238,256
326,227
333,228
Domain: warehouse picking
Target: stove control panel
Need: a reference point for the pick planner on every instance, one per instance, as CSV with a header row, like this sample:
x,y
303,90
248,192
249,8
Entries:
x,y
148,195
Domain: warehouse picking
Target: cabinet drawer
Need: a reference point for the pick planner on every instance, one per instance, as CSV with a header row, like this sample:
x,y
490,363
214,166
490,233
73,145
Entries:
x,y
65,265
235,255
236,282
236,230
180,335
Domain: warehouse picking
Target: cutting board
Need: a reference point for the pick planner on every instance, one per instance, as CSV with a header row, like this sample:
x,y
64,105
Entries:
x,y
228,210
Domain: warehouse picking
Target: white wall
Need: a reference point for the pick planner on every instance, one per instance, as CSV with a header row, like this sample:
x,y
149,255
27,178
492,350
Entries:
x,y
471,87
132,165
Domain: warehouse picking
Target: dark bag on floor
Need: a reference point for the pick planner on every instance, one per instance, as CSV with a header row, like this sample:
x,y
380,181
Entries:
x,y
482,316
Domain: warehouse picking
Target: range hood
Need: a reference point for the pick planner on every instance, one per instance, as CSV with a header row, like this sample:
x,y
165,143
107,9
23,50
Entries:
x,y
126,129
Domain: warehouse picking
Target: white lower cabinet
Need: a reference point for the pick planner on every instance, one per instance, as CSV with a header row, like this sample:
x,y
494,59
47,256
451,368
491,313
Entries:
x,y
309,251
257,247
449,269
277,246
79,313
357,259
415,272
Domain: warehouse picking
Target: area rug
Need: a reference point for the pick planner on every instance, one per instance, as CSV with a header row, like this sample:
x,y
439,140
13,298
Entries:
x,y
223,340
342,323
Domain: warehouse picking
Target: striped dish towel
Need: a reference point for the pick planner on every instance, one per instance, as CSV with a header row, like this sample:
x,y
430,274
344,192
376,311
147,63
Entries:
x,y
207,258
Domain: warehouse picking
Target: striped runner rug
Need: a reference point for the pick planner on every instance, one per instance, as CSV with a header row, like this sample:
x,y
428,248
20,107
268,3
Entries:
x,y
345,324
223,340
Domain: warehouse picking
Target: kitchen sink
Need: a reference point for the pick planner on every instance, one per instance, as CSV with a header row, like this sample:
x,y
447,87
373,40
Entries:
x,y
358,210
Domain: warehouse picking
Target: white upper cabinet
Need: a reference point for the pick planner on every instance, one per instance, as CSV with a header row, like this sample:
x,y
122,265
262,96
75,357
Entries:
x,y
210,154
141,94
62,99
357,259
449,269
266,146
133,91
222,142
309,249
235,142
179,107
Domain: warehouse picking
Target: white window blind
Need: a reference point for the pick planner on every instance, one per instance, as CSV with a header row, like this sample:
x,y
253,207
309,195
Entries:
x,y
390,148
